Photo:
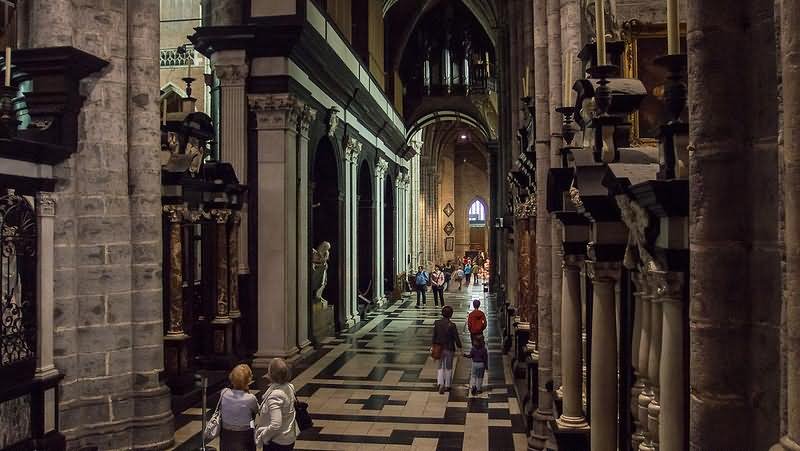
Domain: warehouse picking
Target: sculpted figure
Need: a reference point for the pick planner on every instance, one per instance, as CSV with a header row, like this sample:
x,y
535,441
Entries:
x,y
319,270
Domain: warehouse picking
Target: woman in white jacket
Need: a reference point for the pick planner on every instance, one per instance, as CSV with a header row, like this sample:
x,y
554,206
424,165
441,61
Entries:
x,y
276,429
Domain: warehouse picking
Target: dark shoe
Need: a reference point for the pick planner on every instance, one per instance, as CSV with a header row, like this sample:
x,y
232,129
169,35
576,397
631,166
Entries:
x,y
474,390
416,306
441,389
480,391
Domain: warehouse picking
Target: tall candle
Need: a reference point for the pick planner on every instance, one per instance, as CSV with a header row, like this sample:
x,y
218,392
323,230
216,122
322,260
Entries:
x,y
527,80
568,84
164,112
487,66
600,26
8,66
673,30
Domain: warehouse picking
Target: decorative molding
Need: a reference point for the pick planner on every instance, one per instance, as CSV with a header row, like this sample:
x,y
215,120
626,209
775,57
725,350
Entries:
x,y
276,111
668,285
352,149
527,209
220,215
231,74
380,168
45,204
307,116
449,228
175,213
332,121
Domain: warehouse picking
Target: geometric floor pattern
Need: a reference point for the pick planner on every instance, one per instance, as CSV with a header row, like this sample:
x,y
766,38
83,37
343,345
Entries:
x,y
374,388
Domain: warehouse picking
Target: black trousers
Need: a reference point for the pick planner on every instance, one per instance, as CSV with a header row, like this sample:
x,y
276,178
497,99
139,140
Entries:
x,y
421,293
467,276
438,296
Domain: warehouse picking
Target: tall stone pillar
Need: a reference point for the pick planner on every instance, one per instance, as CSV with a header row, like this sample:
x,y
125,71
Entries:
x,y
738,308
603,377
352,153
643,357
572,417
638,386
380,177
303,246
790,48
231,69
277,117
51,23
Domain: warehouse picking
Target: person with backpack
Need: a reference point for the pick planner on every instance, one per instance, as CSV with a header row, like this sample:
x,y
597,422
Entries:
x,y
443,347
421,285
467,271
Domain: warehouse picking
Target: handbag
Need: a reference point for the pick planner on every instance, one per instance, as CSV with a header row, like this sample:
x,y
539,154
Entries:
x,y
301,415
436,351
213,425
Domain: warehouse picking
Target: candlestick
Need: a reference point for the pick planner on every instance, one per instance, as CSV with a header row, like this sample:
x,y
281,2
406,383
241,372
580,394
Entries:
x,y
600,26
8,66
527,80
673,30
164,112
487,66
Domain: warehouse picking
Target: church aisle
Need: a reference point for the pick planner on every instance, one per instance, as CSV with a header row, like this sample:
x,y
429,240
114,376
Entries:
x,y
374,388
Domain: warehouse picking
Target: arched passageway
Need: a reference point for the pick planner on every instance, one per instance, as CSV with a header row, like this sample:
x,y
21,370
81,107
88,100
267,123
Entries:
x,y
326,207
365,232
388,235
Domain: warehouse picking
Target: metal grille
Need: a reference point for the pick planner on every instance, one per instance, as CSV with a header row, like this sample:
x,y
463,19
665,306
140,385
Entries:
x,y
18,266
176,57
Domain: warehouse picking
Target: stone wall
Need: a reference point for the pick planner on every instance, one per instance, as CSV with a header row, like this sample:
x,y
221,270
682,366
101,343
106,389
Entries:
x,y
108,321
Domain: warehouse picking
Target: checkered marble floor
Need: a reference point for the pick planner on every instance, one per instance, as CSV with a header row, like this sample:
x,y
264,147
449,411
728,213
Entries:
x,y
374,388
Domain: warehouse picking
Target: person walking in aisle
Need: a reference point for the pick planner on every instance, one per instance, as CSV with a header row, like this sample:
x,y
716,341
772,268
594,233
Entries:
x,y
480,362
437,286
445,339
237,408
421,283
467,272
276,429
476,321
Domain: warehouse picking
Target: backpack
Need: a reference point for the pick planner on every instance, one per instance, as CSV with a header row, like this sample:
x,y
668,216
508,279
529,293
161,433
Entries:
x,y
422,278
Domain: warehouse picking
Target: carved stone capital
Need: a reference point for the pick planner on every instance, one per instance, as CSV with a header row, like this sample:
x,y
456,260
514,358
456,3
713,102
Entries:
x,y
352,149
220,215
231,74
332,121
572,262
175,213
668,285
276,111
603,271
575,197
381,167
194,215
45,204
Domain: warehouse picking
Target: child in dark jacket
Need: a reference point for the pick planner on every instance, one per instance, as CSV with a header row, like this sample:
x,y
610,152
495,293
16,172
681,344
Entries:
x,y
480,361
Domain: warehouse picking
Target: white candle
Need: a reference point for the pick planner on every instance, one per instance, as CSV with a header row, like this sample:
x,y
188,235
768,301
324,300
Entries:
x,y
527,80
600,25
8,66
673,30
164,112
568,85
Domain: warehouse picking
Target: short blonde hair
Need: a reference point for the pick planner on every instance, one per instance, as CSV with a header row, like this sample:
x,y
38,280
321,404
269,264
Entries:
x,y
241,376
278,371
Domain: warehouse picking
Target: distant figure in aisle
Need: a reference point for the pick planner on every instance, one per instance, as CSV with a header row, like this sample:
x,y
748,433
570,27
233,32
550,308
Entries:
x,y
480,362
276,429
437,286
467,271
421,285
458,277
448,273
445,335
237,408
476,321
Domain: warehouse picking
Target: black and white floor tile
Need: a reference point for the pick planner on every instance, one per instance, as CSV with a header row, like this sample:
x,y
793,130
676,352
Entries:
x,y
374,388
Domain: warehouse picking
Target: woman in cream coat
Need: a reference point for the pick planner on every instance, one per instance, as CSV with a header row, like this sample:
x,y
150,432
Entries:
x,y
276,429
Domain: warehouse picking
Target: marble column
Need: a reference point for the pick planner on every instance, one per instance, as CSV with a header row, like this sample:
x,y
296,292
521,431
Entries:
x,y
352,153
233,263
572,417
45,211
231,69
672,368
277,117
175,214
603,377
222,324
653,366
643,357
307,116
638,386
380,177
790,48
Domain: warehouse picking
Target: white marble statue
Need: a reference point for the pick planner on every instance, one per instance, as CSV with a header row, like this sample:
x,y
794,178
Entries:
x,y
319,270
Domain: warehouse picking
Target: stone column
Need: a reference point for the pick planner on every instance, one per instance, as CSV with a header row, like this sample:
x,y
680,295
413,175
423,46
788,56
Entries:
x,y
672,367
222,324
233,263
643,357
175,214
231,69
544,250
638,386
307,116
276,124
653,366
790,48
45,210
603,377
572,417
352,152
50,23
380,177
738,308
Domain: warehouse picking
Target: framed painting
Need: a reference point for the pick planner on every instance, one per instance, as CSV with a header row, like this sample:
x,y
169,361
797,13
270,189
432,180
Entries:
x,y
449,244
643,44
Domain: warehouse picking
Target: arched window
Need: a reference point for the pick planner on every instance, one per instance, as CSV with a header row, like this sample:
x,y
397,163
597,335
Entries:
x,y
477,214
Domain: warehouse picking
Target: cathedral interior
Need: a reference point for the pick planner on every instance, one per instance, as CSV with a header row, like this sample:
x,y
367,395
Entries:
x,y
190,185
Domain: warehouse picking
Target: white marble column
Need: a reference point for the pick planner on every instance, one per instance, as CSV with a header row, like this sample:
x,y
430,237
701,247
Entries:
x,y
307,116
45,211
638,386
672,418
380,177
653,365
231,69
603,377
572,417
643,357
277,117
352,152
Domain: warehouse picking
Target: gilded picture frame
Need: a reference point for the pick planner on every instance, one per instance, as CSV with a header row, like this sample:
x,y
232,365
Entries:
x,y
643,44
449,244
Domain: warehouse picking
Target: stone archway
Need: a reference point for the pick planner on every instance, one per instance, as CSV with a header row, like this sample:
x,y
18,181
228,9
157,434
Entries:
x,y
326,225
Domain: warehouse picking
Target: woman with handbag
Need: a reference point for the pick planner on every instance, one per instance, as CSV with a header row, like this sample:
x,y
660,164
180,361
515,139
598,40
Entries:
x,y
445,340
276,429
237,409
